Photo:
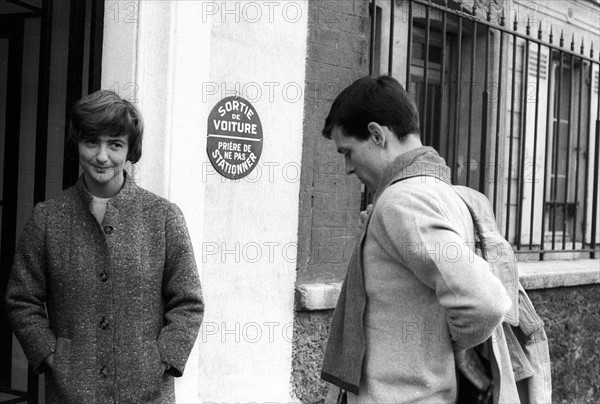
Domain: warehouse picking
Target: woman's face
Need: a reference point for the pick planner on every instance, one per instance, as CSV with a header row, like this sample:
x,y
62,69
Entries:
x,y
103,161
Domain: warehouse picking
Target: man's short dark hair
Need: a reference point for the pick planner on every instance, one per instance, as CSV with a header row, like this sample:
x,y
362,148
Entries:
x,y
373,99
105,113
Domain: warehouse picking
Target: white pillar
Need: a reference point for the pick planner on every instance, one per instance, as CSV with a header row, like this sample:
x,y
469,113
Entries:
x,y
180,58
155,55
258,51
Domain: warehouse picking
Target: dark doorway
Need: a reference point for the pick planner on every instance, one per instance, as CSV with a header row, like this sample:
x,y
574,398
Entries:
x,y
50,55
11,52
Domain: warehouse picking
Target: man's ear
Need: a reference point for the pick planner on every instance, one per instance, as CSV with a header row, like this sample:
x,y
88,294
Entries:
x,y
378,133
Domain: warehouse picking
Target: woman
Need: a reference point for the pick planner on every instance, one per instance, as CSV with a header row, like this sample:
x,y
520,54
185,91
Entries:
x,y
104,294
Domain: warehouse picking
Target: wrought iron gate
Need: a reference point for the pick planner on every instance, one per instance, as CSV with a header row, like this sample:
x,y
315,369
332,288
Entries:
x,y
515,116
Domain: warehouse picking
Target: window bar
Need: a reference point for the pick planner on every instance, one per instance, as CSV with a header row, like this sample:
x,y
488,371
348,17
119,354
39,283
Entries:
x,y
484,117
512,119
391,50
10,184
431,113
457,103
595,190
33,380
498,116
443,68
425,118
522,138
74,86
372,45
535,135
555,143
364,190
589,139
568,163
579,128
41,123
470,132
409,47
549,109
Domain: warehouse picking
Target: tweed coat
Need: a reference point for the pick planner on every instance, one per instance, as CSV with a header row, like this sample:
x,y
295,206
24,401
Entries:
x,y
111,300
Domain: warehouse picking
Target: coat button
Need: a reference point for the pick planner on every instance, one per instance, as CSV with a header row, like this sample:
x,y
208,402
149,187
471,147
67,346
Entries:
x,y
103,276
103,323
104,372
108,229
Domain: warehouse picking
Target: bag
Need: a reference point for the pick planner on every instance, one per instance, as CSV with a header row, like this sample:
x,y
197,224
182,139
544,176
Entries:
x,y
469,394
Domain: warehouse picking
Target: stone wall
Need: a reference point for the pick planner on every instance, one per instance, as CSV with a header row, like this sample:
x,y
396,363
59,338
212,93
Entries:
x,y
572,321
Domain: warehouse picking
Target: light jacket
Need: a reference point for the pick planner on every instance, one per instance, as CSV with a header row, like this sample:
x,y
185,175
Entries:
x,y
518,348
459,298
121,296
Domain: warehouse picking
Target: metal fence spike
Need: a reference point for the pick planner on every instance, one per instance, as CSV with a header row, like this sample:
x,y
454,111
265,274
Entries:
x,y
562,38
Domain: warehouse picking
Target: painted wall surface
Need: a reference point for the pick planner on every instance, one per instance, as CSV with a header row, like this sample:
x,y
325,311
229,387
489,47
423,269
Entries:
x,y
176,60
258,52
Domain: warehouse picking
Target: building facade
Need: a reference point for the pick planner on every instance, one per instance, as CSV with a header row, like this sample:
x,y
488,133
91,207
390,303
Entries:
x,y
508,92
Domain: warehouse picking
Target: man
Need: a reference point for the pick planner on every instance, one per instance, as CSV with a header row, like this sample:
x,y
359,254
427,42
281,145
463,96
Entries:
x,y
416,296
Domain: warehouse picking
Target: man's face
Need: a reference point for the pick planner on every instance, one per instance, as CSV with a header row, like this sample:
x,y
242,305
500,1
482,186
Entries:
x,y
362,157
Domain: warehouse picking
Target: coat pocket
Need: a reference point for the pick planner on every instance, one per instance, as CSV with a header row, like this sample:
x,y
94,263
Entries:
x,y
529,321
153,372
521,366
61,369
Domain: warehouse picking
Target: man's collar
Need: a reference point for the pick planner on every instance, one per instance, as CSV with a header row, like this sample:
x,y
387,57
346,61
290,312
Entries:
x,y
423,160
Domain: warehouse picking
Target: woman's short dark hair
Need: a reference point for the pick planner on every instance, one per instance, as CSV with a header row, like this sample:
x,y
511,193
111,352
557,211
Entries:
x,y
373,99
105,113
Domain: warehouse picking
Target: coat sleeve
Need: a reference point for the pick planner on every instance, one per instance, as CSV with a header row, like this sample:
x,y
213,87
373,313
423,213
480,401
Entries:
x,y
422,237
182,293
26,293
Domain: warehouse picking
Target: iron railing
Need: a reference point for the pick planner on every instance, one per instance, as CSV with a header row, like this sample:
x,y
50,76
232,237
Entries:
x,y
515,116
